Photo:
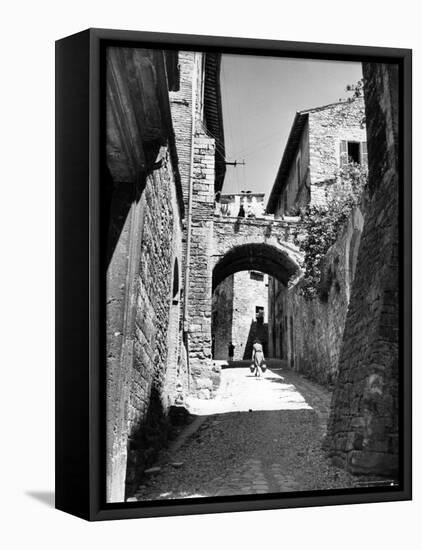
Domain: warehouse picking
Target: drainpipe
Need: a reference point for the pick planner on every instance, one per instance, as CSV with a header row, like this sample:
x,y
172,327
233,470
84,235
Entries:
x,y
189,216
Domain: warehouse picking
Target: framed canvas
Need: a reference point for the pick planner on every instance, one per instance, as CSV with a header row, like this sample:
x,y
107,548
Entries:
x,y
233,274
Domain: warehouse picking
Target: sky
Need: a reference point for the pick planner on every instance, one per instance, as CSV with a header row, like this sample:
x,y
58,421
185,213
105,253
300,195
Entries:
x,y
260,97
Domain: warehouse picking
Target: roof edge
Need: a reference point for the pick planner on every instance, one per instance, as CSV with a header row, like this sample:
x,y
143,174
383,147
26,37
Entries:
x,y
298,123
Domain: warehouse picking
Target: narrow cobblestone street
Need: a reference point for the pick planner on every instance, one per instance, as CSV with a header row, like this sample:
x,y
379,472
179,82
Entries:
x,y
259,435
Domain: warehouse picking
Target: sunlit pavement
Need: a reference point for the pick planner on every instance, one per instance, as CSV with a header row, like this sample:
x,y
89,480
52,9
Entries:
x,y
259,435
240,390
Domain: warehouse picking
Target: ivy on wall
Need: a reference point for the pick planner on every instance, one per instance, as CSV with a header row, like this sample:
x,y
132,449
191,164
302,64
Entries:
x,y
322,223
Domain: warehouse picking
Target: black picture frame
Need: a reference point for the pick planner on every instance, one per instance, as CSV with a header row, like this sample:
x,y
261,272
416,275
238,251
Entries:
x,y
79,309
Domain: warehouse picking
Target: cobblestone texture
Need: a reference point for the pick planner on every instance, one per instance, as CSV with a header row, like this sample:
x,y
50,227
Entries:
x,y
237,451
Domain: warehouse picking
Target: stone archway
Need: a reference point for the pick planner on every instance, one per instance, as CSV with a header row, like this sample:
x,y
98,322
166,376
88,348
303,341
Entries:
x,y
233,252
275,259
240,294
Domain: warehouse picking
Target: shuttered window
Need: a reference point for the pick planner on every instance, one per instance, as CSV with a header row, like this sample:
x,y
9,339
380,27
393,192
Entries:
x,y
343,153
363,153
353,151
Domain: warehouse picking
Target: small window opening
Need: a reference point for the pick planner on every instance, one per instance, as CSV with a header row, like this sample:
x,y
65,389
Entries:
x,y
176,287
259,315
256,275
353,151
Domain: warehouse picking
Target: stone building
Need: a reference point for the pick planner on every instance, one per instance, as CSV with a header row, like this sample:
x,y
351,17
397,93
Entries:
x,y
308,333
197,115
320,142
240,314
161,110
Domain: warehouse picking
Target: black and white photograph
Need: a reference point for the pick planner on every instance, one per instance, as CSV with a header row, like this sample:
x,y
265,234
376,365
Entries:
x,y
209,250
250,215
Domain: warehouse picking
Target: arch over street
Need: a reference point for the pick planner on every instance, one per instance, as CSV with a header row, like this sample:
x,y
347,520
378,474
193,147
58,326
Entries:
x,y
276,260
222,246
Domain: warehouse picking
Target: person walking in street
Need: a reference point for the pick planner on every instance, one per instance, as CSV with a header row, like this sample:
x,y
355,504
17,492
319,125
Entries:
x,y
258,358
231,351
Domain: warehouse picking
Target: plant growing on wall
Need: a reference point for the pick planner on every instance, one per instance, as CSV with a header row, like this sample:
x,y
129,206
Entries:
x,y
322,223
357,92
357,89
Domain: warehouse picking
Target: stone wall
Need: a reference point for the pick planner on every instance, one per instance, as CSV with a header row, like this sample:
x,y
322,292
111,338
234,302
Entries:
x,y
181,113
199,285
309,332
156,324
249,291
222,317
196,152
143,327
363,432
234,314
271,245
143,202
329,126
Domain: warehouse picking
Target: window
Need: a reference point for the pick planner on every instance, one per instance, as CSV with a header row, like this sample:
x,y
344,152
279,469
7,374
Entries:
x,y
363,153
353,151
176,286
259,315
256,275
